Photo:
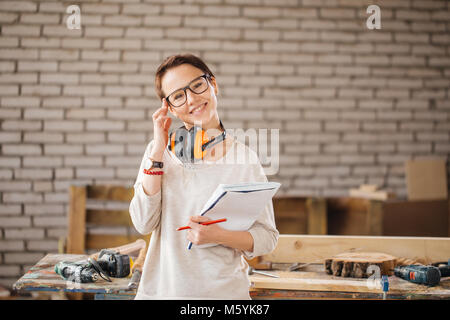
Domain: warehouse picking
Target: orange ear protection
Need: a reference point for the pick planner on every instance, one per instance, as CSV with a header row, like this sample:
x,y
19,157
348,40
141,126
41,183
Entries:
x,y
190,145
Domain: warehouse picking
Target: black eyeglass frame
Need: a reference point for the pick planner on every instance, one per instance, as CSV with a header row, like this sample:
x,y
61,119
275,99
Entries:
x,y
207,78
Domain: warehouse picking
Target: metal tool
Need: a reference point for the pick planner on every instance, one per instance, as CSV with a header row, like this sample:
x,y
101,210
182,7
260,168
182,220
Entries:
x,y
135,278
298,266
109,264
252,271
137,268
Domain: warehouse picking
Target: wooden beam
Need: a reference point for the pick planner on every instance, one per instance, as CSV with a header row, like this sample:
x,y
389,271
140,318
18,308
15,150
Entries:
x,y
109,217
314,249
372,195
113,193
320,281
77,220
374,222
103,241
416,218
317,215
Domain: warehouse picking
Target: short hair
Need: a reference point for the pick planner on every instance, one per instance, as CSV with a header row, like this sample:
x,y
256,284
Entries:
x,y
174,61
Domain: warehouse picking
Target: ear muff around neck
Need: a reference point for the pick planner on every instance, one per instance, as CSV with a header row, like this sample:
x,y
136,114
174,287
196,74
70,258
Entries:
x,y
200,139
191,145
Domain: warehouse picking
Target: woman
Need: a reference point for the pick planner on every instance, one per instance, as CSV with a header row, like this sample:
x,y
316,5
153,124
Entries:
x,y
172,196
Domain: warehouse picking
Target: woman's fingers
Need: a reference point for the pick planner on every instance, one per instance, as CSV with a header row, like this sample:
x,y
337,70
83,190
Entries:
x,y
198,219
161,111
194,222
160,117
167,123
199,234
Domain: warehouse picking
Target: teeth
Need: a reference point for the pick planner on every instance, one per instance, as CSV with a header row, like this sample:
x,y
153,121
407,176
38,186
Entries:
x,y
198,108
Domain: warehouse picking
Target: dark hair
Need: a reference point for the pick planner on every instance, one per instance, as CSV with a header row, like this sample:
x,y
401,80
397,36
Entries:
x,y
174,61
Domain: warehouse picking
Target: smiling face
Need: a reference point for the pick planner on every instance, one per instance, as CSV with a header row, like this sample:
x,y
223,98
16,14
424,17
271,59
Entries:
x,y
199,109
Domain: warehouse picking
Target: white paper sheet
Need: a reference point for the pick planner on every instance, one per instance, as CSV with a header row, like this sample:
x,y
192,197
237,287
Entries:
x,y
240,204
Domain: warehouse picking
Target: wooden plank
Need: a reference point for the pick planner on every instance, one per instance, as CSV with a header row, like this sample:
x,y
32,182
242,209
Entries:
x,y
103,241
426,178
290,214
314,249
374,222
109,217
373,195
275,294
427,218
77,220
317,215
289,207
113,193
346,204
347,216
320,281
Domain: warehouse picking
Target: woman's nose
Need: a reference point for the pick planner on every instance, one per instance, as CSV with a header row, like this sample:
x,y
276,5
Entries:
x,y
190,97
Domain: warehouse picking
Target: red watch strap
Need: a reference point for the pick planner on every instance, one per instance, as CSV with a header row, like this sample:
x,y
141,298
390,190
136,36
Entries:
x,y
153,172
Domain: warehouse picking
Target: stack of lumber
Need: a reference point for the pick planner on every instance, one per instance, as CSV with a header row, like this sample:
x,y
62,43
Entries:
x,y
368,191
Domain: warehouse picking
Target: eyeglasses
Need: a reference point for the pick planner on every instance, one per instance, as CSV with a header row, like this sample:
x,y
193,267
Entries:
x,y
197,86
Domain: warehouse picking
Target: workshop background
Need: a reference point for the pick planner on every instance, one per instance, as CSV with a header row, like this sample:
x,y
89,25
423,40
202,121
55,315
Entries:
x,y
351,104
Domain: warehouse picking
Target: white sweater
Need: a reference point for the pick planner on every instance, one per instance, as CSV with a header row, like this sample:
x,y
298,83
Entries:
x,y
171,271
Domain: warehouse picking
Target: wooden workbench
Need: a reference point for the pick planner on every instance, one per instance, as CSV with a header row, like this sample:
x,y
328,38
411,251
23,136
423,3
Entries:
x,y
313,283
42,277
310,283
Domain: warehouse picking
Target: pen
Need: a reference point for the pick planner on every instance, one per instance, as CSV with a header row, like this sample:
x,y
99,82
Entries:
x,y
204,223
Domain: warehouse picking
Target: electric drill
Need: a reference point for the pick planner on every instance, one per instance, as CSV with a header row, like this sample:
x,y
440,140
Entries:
x,y
427,275
444,268
109,264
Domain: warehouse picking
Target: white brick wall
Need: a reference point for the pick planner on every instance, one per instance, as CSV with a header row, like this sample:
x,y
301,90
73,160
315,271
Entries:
x,y
76,105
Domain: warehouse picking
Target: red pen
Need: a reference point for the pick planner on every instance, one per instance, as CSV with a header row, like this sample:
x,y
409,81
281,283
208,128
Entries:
x,y
204,223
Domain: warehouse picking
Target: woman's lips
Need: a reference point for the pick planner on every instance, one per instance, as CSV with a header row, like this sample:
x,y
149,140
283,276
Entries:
x,y
198,110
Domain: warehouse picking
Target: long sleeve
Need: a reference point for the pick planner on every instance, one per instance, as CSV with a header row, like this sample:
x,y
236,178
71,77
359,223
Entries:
x,y
145,210
264,232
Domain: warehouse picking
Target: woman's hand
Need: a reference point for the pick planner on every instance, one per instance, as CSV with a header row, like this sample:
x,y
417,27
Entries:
x,y
161,125
213,233
200,234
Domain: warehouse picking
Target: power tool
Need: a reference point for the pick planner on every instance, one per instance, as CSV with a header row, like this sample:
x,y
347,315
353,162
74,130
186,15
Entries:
x,y
81,272
444,268
108,264
427,275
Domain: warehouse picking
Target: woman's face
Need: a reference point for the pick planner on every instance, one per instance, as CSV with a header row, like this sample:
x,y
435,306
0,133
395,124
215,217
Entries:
x,y
199,109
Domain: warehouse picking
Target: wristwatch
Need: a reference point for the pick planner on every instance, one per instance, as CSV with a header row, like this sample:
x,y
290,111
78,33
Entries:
x,y
150,164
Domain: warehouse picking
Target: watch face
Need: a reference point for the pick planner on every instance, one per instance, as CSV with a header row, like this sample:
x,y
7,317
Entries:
x,y
148,164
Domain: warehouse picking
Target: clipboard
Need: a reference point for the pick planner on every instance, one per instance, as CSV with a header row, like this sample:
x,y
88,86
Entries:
x,y
241,204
